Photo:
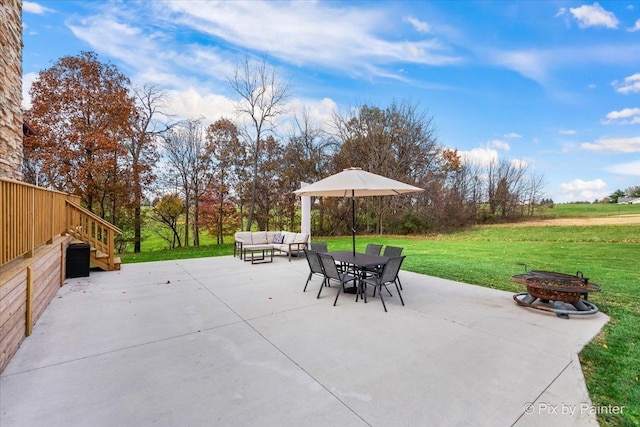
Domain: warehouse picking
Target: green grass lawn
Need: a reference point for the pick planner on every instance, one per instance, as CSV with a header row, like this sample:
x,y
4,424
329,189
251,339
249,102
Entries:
x,y
489,255
589,210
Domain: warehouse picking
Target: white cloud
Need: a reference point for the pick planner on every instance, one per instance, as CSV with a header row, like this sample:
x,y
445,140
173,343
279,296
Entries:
x,y
297,33
614,145
153,56
579,190
501,145
513,135
631,84
32,7
635,28
564,14
191,104
320,112
27,81
631,168
594,16
530,63
623,117
519,163
580,185
419,25
479,156
538,64
592,86
567,132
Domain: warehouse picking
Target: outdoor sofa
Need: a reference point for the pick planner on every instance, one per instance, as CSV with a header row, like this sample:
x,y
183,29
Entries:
x,y
281,241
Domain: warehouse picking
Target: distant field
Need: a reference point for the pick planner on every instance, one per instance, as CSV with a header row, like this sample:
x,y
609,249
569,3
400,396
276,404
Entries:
x,y
572,210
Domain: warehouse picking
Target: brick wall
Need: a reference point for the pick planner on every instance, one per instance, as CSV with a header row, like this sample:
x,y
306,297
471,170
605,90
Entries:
x,y
11,89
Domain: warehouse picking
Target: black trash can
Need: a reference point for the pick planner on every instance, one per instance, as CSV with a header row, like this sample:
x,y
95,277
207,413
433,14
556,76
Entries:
x,y
78,260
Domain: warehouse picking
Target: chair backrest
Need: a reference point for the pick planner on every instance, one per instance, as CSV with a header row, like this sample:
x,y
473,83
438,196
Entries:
x,y
314,261
329,266
373,249
392,251
391,269
319,246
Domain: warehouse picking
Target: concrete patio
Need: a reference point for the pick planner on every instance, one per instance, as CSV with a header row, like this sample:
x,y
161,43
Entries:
x,y
217,341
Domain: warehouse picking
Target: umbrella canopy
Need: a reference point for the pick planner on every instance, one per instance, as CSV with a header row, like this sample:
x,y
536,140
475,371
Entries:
x,y
354,182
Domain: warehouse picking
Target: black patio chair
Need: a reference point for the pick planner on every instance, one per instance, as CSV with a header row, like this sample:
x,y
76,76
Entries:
x,y
393,251
388,276
314,267
319,247
331,272
373,249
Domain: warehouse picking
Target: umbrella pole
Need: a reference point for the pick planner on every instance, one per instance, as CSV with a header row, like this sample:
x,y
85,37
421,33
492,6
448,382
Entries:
x,y
353,221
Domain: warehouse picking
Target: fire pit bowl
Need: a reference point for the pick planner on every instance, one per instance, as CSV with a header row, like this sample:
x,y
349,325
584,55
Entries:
x,y
556,290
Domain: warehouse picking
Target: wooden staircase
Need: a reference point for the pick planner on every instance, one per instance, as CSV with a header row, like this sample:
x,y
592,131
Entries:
x,y
101,260
87,227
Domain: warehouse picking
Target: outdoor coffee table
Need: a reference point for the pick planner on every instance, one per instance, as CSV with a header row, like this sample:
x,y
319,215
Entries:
x,y
259,254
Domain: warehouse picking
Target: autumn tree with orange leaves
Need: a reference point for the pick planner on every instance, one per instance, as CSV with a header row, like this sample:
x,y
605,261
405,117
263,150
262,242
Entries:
x,y
81,109
224,146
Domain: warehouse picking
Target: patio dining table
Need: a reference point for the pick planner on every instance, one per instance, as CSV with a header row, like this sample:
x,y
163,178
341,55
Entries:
x,y
360,262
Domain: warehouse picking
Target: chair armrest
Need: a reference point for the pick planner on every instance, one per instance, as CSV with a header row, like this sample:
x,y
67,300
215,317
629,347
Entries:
x,y
298,248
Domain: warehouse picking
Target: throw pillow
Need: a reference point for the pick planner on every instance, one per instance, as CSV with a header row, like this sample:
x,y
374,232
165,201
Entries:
x,y
278,238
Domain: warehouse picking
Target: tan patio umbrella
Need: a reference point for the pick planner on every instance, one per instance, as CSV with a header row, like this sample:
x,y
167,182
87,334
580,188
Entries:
x,y
354,182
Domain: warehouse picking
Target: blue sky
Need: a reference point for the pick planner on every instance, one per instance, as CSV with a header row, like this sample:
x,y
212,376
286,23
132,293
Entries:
x,y
553,84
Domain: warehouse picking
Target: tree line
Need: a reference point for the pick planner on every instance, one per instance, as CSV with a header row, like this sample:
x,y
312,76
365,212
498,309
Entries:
x,y
116,147
629,192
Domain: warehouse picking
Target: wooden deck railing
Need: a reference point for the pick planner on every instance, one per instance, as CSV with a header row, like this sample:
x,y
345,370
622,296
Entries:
x,y
29,217
90,228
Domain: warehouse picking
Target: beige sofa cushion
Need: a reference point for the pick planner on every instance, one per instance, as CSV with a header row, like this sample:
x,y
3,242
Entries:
x,y
271,235
300,238
289,237
259,238
244,237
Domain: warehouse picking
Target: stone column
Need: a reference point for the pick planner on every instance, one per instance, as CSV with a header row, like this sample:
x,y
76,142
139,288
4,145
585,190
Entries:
x,y
11,89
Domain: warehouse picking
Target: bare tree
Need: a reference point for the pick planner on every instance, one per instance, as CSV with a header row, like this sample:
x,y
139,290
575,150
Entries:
x,y
505,187
141,147
308,156
398,142
186,151
536,186
262,97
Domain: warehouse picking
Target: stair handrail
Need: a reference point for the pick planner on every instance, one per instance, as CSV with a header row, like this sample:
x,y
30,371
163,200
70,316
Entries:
x,y
90,228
